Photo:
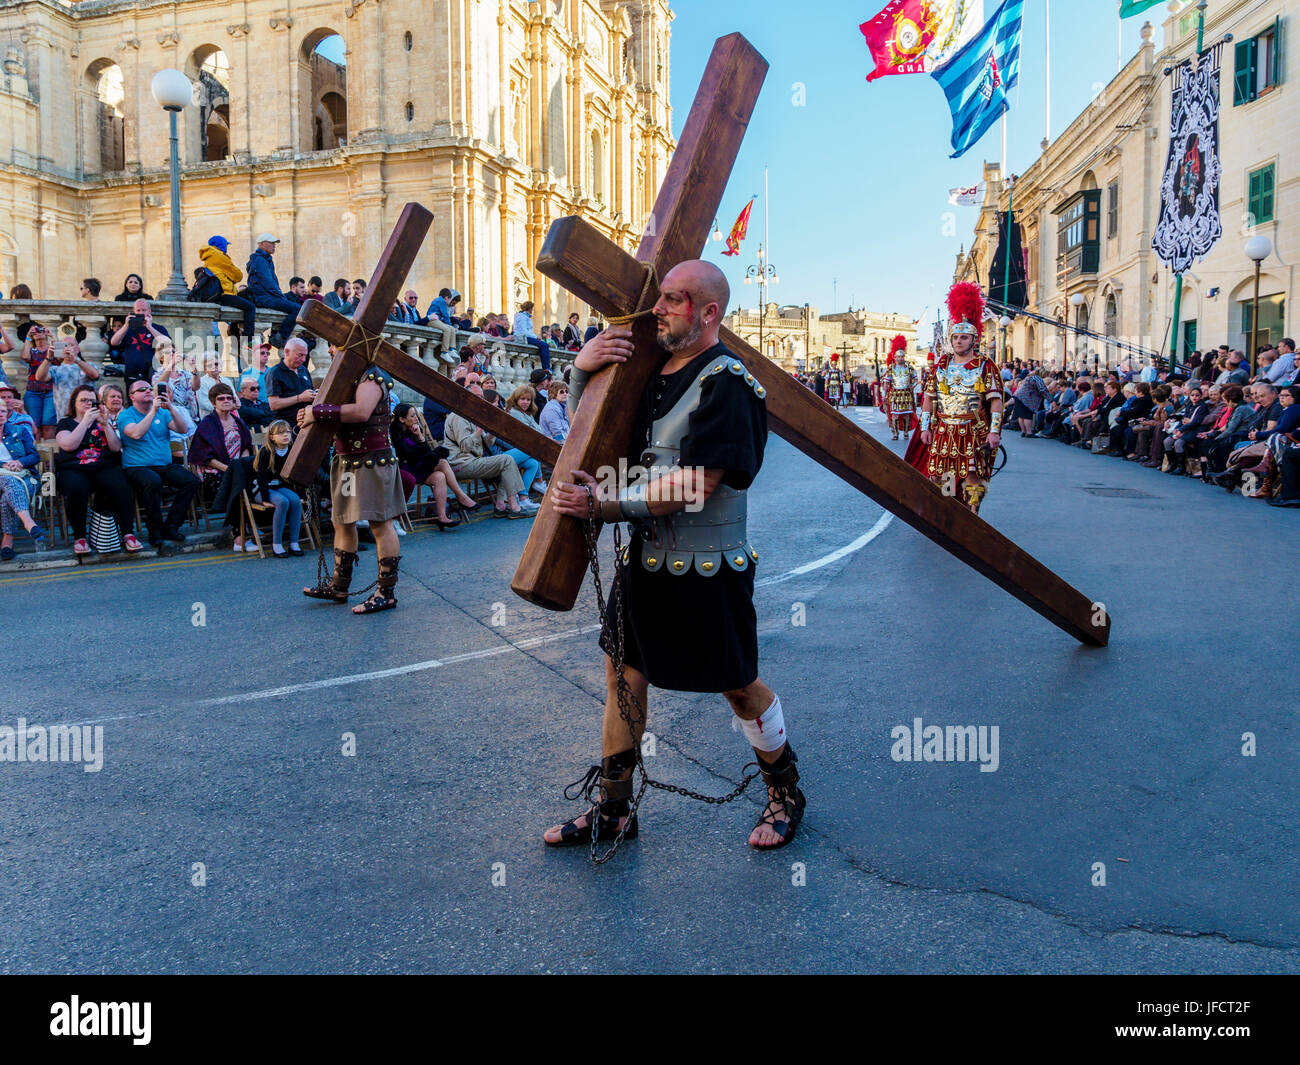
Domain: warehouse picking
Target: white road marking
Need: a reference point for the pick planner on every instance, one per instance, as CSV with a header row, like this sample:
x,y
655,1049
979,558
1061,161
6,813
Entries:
x,y
881,525
398,671
523,645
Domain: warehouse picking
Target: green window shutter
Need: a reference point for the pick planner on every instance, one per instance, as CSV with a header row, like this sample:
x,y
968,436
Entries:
x,y
1279,52
1252,201
1243,86
1266,194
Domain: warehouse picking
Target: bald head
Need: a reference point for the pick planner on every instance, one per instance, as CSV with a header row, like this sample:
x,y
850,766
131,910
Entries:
x,y
705,282
692,300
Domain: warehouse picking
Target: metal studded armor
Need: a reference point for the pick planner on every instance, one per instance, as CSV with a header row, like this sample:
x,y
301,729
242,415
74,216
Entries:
x,y
368,444
714,536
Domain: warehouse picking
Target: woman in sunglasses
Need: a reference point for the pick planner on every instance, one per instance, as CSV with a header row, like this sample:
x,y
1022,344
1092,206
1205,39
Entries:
x,y
222,448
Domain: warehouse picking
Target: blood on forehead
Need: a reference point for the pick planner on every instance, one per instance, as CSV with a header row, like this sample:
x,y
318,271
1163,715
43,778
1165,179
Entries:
x,y
672,294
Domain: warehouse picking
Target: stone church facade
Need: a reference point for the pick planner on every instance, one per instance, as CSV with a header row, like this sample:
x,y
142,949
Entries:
x,y
498,115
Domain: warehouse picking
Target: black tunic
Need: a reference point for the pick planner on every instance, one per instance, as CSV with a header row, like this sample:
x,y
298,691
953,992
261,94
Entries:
x,y
688,632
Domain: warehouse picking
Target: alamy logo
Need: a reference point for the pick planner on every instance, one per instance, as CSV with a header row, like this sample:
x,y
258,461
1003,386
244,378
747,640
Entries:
x,y
102,1018
946,743
57,743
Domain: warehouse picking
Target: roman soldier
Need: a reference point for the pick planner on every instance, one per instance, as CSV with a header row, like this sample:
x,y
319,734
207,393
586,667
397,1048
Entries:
x,y
834,382
364,485
900,403
961,417
681,615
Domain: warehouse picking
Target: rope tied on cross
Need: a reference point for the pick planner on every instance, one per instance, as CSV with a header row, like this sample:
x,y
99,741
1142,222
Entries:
x,y
363,342
649,282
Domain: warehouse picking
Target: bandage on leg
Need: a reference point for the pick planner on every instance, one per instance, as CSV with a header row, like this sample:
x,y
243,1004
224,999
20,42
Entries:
x,y
767,732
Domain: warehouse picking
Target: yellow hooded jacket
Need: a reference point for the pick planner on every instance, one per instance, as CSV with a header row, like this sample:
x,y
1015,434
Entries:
x,y
219,263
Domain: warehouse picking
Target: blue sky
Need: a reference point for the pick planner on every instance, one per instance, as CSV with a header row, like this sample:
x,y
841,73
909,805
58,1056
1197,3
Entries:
x,y
859,176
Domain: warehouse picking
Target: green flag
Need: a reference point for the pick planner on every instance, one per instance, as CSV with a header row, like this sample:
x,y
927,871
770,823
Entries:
x,y
1136,7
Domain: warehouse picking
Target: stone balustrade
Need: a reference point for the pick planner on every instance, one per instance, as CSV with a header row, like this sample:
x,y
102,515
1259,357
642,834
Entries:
x,y
196,330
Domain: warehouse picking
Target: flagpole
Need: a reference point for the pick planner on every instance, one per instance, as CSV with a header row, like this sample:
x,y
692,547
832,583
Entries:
x,y
1119,38
1047,121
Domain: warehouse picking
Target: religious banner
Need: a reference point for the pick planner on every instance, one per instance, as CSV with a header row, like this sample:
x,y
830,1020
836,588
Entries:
x,y
1189,223
916,36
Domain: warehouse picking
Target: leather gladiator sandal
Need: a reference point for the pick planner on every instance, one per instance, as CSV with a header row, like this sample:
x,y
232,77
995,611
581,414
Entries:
x,y
384,597
336,589
785,797
609,786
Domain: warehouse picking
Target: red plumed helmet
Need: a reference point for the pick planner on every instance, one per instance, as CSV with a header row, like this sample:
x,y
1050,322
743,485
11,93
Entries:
x,y
966,310
899,343
834,357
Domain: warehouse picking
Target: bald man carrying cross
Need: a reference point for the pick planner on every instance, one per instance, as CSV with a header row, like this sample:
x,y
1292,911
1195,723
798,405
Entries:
x,y
685,604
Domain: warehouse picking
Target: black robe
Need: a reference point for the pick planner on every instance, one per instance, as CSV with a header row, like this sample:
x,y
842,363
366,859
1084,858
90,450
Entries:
x,y
688,632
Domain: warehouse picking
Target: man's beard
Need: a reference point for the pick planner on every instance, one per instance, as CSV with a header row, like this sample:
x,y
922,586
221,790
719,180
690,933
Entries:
x,y
674,344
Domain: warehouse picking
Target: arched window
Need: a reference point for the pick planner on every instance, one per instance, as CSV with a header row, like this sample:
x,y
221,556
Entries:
x,y
323,92
1111,320
105,125
208,134
597,163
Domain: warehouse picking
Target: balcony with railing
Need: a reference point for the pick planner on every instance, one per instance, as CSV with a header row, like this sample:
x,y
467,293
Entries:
x,y
197,332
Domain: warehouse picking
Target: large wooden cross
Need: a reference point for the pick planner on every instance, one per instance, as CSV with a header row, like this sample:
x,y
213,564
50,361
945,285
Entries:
x,y
360,345
596,270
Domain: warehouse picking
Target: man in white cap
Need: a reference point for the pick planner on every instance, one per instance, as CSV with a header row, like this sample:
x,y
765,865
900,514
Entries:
x,y
264,288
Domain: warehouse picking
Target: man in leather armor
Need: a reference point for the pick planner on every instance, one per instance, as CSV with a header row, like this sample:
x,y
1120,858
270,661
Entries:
x,y
687,580
364,485
961,415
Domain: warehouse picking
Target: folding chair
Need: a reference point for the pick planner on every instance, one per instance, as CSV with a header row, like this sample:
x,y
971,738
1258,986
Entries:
x,y
56,516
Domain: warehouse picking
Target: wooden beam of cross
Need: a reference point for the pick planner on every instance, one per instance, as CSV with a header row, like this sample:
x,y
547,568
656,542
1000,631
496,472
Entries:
x,y
597,271
579,257
360,345
550,572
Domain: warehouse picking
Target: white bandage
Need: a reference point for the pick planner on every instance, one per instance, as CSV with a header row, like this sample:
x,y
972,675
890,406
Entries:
x,y
765,733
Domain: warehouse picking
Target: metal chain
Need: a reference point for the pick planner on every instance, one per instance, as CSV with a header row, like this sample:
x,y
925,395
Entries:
x,y
614,641
324,575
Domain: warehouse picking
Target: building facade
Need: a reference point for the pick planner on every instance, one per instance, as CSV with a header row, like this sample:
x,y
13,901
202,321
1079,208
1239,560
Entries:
x,y
498,115
1088,206
800,338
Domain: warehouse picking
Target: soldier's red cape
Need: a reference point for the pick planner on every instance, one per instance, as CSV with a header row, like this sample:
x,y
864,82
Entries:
x,y
917,454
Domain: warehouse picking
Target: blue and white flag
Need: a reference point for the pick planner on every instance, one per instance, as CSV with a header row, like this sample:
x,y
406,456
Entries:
x,y
977,79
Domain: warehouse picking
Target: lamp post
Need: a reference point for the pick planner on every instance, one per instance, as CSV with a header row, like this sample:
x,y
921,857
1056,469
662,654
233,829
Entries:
x,y
172,91
1077,301
766,275
1258,248
1004,322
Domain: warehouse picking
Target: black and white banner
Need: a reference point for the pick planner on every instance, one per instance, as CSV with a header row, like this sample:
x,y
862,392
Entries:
x,y
1189,223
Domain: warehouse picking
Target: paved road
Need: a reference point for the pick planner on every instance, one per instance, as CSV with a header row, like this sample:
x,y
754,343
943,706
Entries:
x,y
383,861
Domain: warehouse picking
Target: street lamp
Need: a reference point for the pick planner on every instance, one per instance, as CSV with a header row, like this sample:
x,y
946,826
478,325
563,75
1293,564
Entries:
x,y
1004,322
1077,301
1258,248
172,91
766,275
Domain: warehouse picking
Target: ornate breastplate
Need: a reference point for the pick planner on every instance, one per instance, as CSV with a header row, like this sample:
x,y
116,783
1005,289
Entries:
x,y
961,390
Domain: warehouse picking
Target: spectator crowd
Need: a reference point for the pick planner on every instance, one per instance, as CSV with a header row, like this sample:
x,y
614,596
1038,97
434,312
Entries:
x,y
132,454
1216,419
